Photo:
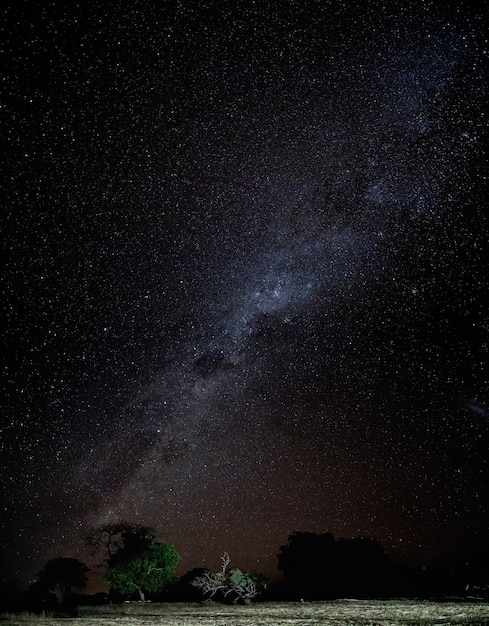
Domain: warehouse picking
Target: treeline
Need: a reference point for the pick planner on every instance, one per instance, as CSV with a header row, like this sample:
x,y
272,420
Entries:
x,y
136,566
320,567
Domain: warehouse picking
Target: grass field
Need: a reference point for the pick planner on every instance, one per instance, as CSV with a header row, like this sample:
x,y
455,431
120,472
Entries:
x,y
338,613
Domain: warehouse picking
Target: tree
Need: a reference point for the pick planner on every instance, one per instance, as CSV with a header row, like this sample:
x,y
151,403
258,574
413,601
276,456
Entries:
x,y
320,567
150,571
308,562
60,575
363,568
183,591
245,585
235,585
120,541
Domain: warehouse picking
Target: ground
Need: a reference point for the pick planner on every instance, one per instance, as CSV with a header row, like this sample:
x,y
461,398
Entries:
x,y
338,613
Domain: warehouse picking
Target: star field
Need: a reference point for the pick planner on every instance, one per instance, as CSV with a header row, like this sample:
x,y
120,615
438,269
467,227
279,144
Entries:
x,y
246,280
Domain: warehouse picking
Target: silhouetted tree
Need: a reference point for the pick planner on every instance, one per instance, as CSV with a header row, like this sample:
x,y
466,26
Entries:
x,y
120,541
319,567
308,562
183,590
59,576
148,571
363,567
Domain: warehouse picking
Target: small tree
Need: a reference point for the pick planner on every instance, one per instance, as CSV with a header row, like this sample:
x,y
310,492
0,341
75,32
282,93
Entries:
x,y
148,572
235,585
60,575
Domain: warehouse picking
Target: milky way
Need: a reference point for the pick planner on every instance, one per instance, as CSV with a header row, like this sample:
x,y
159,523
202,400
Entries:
x,y
246,281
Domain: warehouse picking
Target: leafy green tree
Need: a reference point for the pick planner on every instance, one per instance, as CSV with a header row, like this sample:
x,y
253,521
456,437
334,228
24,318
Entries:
x,y
150,571
60,575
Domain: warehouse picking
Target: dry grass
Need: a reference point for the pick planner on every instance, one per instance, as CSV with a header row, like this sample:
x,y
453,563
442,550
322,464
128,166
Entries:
x,y
339,613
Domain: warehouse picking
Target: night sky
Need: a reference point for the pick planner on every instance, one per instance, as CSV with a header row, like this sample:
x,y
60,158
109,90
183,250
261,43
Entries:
x,y
246,284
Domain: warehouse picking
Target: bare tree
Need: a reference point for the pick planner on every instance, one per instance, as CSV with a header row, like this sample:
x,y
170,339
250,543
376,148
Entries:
x,y
235,585
120,539
245,586
210,582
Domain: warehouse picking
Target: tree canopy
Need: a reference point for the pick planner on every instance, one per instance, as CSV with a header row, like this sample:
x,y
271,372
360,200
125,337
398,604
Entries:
x,y
319,566
60,575
149,571
120,541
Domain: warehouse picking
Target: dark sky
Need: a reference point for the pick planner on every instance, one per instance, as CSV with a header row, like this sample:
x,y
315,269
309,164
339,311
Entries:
x,y
245,289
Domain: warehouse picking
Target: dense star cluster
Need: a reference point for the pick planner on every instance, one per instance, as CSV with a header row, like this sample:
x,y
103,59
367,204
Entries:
x,y
246,276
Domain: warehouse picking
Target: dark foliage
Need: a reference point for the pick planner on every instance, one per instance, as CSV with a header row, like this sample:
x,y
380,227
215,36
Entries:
x,y
59,576
120,541
183,591
321,567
